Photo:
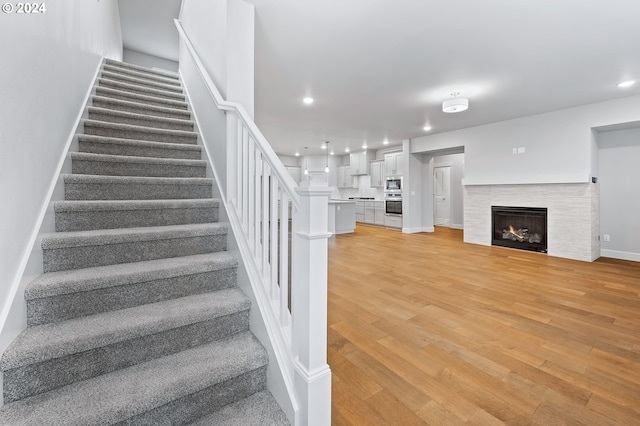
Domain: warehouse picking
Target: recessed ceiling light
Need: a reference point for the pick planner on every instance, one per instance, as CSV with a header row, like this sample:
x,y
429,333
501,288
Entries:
x,y
297,154
308,100
332,153
324,146
364,145
385,142
347,149
627,83
426,128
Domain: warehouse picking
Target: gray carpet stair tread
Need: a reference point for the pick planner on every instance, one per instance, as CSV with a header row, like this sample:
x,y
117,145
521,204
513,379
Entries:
x,y
155,71
133,128
161,93
142,117
49,341
99,277
148,109
136,97
141,144
259,409
142,81
126,235
116,396
108,205
125,180
108,158
140,74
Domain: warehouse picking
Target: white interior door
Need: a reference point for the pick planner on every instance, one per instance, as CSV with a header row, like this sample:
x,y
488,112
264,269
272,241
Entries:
x,y
442,196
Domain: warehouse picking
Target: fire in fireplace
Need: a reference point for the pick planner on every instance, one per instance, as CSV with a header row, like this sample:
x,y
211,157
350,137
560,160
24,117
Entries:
x,y
520,227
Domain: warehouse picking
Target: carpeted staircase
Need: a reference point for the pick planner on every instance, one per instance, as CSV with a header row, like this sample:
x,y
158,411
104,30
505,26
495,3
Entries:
x,y
137,319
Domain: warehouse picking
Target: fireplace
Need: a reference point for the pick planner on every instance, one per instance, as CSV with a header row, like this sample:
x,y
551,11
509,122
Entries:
x,y
523,228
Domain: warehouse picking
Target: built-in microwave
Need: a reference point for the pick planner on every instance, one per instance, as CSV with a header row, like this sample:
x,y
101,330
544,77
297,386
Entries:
x,y
393,184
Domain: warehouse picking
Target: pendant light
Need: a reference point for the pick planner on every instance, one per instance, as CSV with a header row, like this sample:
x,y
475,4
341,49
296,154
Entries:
x,y
326,169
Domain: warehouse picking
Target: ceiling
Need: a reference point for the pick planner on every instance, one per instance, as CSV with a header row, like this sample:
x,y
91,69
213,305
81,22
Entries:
x,y
380,69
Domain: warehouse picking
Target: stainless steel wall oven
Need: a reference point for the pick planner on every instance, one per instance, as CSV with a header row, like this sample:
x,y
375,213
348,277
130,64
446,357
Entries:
x,y
393,204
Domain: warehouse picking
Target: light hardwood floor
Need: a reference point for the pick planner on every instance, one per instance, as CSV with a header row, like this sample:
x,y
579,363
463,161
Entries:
x,y
425,329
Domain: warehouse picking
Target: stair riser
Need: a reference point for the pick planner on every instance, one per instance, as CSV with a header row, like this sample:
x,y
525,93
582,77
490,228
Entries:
x,y
142,135
192,407
62,259
130,97
132,67
175,114
141,121
142,81
110,168
37,378
135,191
112,219
144,75
137,150
141,90
74,305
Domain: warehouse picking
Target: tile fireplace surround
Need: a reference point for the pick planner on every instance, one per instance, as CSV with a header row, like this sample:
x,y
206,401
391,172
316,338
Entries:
x,y
573,214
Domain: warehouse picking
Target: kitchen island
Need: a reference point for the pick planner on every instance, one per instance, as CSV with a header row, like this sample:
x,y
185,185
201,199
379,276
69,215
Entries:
x,y
342,216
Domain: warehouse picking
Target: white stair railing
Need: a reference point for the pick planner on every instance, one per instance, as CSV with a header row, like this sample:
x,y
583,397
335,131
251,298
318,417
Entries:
x,y
281,231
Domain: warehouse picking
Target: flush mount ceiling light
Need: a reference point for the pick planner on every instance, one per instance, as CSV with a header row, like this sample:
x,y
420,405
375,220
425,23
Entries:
x,y
308,100
455,104
627,83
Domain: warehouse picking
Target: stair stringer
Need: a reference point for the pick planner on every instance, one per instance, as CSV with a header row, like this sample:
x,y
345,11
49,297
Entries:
x,y
279,383
13,312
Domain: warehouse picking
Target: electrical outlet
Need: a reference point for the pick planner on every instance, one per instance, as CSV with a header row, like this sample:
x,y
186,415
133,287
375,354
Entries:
x,y
606,238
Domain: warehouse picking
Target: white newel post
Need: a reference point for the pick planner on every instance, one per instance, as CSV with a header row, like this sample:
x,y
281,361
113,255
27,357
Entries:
x,y
309,304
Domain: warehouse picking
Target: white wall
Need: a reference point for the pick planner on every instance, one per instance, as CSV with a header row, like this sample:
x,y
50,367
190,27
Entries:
x,y
150,61
289,160
558,145
222,32
619,178
48,63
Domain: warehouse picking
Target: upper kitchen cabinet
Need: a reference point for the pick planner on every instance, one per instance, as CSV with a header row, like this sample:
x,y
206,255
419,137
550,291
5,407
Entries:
x,y
376,168
345,180
359,162
393,163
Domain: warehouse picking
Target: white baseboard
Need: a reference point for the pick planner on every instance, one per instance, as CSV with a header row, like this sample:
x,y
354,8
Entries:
x,y
457,226
624,255
418,229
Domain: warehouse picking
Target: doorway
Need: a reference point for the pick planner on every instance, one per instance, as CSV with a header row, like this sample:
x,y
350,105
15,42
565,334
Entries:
x,y
442,196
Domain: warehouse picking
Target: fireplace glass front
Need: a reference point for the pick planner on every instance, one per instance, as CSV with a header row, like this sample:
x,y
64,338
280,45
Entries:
x,y
520,227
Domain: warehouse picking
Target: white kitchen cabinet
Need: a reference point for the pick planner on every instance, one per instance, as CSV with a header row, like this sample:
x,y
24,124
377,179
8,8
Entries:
x,y
393,221
322,176
369,212
345,180
359,162
359,211
295,173
379,213
376,169
393,164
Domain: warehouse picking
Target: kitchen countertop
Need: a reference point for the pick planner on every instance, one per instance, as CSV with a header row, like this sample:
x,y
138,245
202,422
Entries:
x,y
341,201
